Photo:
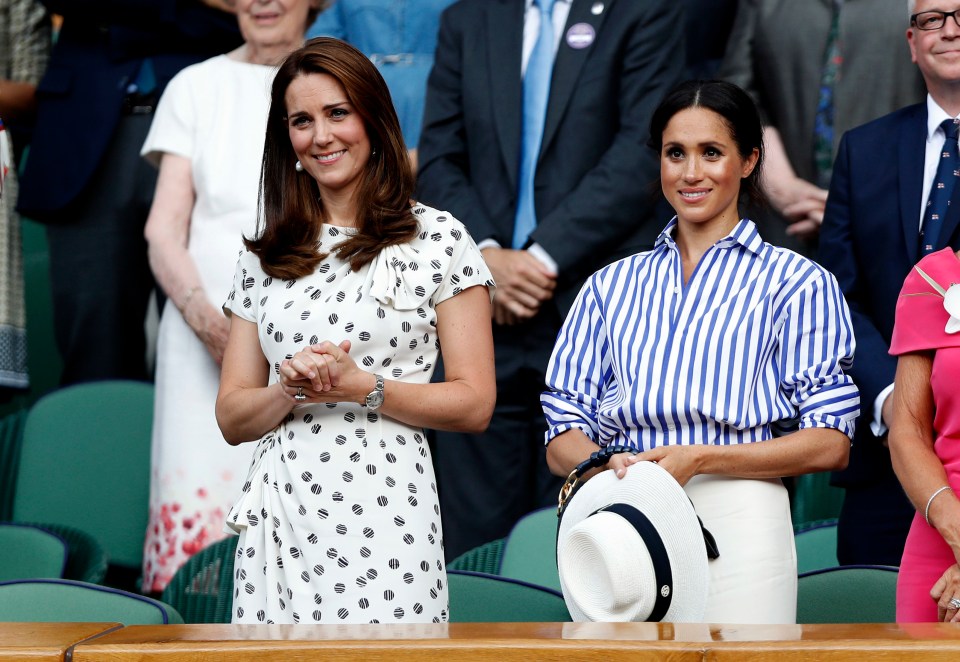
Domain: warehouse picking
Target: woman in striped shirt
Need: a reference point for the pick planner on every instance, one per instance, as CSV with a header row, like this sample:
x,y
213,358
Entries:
x,y
715,354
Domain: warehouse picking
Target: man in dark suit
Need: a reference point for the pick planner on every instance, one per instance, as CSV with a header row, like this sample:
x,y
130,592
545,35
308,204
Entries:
x,y
84,176
871,238
613,62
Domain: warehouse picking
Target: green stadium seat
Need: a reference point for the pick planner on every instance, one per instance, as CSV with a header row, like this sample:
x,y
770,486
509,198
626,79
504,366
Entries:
x,y
481,598
817,546
530,552
28,552
66,601
85,463
848,594
202,589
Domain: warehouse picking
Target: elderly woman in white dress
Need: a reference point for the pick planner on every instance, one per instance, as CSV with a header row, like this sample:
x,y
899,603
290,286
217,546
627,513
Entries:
x,y
207,140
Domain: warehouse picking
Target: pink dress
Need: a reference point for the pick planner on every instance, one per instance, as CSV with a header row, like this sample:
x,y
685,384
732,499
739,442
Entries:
x,y
920,327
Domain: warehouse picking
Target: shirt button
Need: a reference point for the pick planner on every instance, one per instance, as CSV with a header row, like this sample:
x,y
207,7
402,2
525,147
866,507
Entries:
x,y
676,290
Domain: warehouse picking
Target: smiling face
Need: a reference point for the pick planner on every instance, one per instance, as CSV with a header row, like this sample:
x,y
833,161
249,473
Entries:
x,y
937,52
701,169
327,135
273,23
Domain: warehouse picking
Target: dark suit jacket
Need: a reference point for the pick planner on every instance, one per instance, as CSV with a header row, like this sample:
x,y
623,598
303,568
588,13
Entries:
x,y
775,52
870,241
708,27
594,175
97,54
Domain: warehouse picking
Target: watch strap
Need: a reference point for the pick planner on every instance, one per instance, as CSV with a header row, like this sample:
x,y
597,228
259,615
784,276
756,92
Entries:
x,y
596,459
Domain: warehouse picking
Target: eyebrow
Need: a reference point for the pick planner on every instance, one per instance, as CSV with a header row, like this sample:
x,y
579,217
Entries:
x,y
329,106
708,143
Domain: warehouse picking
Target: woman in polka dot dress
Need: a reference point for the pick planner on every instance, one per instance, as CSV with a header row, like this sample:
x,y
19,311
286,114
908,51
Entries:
x,y
340,307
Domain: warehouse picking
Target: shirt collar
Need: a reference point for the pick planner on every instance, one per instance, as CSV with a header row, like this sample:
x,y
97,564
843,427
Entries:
x,y
935,117
743,234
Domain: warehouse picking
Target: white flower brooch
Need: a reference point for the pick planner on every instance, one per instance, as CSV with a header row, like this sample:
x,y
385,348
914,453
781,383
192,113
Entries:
x,y
951,300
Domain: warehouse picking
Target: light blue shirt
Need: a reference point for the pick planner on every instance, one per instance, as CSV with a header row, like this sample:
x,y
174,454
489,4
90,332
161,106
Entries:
x,y
754,344
400,37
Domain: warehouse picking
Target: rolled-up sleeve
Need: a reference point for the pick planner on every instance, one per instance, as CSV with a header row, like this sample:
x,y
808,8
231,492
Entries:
x,y
815,352
579,369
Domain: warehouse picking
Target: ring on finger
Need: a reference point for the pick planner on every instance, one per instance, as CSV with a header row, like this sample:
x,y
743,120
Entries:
x,y
300,397
954,603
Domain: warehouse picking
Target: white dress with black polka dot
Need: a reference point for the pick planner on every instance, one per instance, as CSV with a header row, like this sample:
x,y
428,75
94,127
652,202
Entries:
x,y
339,520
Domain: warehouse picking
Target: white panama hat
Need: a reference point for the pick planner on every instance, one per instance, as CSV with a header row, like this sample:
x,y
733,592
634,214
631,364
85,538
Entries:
x,y
632,548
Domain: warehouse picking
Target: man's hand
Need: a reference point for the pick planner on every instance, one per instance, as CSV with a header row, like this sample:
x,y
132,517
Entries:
x,y
523,284
801,203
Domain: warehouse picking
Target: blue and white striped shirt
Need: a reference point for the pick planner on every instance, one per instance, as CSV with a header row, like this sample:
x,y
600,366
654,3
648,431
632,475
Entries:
x,y
756,342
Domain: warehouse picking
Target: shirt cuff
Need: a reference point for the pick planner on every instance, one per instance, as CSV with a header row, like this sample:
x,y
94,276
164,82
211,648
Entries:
x,y
877,426
537,251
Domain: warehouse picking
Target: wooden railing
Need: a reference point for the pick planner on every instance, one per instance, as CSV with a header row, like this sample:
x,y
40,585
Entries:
x,y
485,642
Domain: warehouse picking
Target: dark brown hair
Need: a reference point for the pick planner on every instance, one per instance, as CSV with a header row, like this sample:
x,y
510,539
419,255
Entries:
x,y
290,209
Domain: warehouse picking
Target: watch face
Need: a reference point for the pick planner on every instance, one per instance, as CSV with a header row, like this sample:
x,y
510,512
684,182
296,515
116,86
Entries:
x,y
374,399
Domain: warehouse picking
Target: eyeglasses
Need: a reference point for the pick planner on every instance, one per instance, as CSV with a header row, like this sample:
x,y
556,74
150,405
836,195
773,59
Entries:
x,y
934,20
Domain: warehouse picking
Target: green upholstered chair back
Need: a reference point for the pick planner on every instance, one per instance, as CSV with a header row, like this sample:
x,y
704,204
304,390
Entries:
x,y
817,547
86,559
814,498
848,594
62,600
481,598
202,589
28,552
11,439
85,463
530,553
483,558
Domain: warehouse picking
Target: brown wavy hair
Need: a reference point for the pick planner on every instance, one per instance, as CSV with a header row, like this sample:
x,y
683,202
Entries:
x,y
290,211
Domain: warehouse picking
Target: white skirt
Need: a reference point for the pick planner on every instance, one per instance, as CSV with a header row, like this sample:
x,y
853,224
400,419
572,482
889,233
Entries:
x,y
755,578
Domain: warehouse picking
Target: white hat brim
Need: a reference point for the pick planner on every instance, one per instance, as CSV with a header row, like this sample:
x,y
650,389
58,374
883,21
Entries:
x,y
622,564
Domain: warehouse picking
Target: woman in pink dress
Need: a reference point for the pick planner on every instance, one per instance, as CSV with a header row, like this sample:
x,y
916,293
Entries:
x,y
925,436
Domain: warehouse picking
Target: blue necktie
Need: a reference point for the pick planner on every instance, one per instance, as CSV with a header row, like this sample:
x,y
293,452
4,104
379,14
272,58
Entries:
x,y
146,80
536,91
948,170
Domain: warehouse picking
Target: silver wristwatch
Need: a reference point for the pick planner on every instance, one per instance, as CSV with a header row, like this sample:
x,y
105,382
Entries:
x,y
375,397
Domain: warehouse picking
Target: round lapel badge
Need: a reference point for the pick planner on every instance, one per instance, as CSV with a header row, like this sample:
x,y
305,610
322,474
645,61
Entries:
x,y
581,35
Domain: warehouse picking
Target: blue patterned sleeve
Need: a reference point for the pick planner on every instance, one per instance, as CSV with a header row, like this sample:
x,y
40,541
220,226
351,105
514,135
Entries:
x,y
816,351
579,369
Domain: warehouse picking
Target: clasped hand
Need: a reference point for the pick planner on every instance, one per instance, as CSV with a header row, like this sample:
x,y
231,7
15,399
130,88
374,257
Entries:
x,y
523,284
324,372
